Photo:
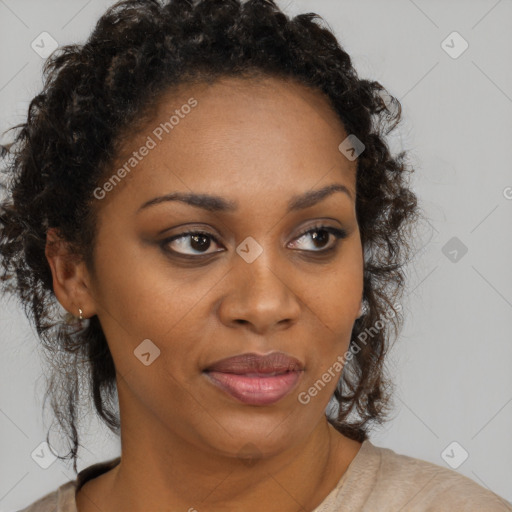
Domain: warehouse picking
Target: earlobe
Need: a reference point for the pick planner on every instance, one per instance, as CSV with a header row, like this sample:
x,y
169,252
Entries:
x,y
69,276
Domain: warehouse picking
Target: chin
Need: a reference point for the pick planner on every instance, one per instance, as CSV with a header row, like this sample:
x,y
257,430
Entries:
x,y
256,435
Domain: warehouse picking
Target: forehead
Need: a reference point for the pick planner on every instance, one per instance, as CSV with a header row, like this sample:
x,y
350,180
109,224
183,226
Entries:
x,y
239,136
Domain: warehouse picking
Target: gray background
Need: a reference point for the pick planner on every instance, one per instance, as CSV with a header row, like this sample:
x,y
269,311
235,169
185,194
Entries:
x,y
452,361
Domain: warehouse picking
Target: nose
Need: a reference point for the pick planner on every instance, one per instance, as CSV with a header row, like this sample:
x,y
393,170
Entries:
x,y
261,296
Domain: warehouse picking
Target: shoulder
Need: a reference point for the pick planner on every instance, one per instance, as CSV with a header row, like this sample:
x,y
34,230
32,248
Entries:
x,y
422,485
55,501
63,499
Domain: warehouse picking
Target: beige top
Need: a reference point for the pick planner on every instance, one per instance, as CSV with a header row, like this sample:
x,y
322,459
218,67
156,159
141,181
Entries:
x,y
377,480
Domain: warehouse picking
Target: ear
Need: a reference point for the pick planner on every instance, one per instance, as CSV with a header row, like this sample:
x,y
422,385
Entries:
x,y
71,281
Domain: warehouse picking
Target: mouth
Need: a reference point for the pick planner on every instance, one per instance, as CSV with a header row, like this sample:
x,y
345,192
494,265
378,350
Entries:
x,y
254,379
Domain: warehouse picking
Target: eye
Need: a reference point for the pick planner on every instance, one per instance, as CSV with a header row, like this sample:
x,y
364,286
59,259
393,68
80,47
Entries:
x,y
196,240
200,241
320,237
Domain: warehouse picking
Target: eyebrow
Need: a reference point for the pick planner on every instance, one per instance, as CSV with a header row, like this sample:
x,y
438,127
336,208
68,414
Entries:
x,y
220,204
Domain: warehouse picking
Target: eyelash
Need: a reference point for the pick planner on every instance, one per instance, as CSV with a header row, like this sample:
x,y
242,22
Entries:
x,y
339,234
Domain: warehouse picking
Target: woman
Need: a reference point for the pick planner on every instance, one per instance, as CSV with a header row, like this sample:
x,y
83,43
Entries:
x,y
207,188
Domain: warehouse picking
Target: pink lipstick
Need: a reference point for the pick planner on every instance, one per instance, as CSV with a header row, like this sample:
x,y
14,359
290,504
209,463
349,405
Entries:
x,y
255,379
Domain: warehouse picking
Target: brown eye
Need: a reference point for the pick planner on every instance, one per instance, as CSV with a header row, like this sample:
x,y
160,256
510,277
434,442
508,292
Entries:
x,y
190,244
320,238
197,241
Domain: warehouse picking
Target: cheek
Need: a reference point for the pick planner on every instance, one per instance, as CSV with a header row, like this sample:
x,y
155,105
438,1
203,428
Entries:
x,y
333,308
335,297
141,300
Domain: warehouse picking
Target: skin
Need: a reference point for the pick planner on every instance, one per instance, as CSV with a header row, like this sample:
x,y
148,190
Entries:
x,y
259,143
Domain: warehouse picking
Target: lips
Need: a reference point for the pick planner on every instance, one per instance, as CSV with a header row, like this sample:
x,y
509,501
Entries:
x,y
276,362
254,379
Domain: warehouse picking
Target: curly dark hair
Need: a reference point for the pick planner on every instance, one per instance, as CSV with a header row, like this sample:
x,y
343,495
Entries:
x,y
96,93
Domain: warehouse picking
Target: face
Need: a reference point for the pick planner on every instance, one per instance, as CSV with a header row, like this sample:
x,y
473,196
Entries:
x,y
178,287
